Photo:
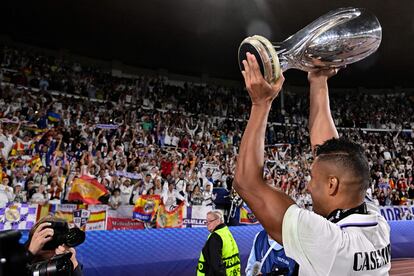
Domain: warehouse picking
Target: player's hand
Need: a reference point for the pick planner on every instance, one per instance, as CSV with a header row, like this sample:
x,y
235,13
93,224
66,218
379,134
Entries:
x,y
260,91
322,75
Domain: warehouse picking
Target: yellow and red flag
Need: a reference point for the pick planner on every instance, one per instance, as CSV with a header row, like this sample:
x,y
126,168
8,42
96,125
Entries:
x,y
18,149
170,219
35,162
146,207
87,189
247,216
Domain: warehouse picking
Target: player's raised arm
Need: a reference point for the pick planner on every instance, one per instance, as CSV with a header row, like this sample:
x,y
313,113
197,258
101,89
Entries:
x,y
268,204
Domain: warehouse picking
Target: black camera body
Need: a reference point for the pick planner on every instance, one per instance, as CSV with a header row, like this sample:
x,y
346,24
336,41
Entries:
x,y
63,235
17,259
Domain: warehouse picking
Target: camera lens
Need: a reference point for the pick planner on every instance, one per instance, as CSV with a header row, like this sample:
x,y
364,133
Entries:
x,y
74,237
59,265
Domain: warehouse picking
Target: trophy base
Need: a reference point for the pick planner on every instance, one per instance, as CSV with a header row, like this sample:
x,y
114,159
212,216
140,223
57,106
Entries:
x,y
265,54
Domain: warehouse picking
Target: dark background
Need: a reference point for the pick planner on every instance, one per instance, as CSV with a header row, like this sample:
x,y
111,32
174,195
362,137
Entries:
x,y
202,36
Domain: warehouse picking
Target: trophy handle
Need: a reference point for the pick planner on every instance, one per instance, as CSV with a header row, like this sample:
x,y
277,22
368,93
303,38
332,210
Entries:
x,y
265,54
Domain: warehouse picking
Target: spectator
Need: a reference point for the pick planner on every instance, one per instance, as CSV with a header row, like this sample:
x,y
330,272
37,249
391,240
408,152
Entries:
x,y
220,254
126,191
170,197
6,193
197,197
19,194
40,196
115,200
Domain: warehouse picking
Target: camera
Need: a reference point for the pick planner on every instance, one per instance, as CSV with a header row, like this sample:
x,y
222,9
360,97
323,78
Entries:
x,y
15,259
63,235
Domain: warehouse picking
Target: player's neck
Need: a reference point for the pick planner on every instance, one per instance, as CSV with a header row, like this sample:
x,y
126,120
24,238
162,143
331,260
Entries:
x,y
339,214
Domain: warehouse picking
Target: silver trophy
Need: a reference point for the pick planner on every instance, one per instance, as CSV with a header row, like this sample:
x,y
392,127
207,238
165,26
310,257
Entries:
x,y
338,38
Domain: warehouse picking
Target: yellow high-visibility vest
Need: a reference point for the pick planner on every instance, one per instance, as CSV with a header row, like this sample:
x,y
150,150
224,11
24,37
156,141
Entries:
x,y
230,254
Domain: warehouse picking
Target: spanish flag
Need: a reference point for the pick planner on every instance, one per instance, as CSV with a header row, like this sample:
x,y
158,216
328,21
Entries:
x,y
87,189
44,210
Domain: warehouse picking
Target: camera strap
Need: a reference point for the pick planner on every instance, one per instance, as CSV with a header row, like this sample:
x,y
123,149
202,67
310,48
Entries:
x,y
267,254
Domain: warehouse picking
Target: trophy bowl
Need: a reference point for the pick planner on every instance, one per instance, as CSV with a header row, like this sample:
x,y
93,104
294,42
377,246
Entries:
x,y
336,39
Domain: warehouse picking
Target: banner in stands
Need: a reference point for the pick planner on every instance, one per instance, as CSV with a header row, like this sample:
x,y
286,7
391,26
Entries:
x,y
87,217
146,207
123,211
124,224
18,216
44,210
170,219
22,216
195,216
398,212
136,176
214,169
247,216
121,219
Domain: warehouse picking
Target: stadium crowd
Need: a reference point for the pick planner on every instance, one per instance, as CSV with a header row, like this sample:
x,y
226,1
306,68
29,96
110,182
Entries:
x,y
145,136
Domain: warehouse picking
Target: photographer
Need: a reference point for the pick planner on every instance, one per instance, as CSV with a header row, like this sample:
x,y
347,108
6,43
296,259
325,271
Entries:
x,y
40,235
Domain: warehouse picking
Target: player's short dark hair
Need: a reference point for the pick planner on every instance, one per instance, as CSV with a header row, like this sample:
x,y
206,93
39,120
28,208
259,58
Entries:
x,y
348,155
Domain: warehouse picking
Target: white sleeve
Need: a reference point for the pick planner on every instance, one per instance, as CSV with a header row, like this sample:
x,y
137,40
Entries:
x,y
310,239
252,258
164,196
179,196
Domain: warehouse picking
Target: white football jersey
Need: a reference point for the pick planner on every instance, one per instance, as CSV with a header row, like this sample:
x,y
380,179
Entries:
x,y
358,244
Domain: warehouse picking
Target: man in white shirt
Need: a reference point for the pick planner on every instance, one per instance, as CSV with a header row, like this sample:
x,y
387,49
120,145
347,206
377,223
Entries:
x,y
6,145
6,194
171,196
6,141
181,183
148,184
126,191
343,236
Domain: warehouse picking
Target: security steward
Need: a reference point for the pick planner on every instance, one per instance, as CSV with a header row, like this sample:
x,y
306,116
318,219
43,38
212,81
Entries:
x,y
220,254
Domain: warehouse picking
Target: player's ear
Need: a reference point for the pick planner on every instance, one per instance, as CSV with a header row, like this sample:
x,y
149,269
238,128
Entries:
x,y
333,185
